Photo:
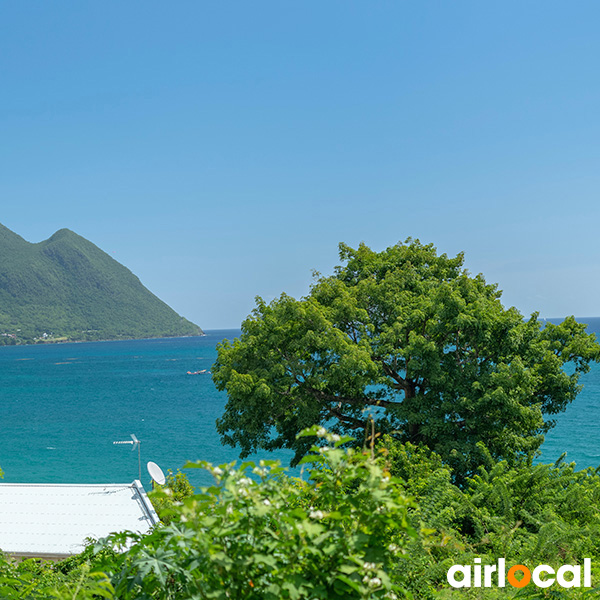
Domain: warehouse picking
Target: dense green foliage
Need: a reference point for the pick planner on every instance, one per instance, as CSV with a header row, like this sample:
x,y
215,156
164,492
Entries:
x,y
409,337
71,579
67,288
363,525
168,497
255,534
528,514
274,537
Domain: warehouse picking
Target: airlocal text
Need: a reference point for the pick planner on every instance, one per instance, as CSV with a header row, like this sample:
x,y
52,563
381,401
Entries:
x,y
543,576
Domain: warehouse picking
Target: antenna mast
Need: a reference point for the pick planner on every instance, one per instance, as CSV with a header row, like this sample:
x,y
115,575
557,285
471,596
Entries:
x,y
135,444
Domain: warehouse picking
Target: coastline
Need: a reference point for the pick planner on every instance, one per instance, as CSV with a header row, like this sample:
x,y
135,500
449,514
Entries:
x,y
120,339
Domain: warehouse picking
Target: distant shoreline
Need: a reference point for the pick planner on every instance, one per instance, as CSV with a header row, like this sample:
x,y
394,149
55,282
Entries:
x,y
129,339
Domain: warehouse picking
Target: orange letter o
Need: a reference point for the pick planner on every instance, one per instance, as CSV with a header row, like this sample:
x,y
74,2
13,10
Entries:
x,y
514,581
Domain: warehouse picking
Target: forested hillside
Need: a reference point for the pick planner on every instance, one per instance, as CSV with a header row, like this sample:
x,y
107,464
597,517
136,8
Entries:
x,y
67,288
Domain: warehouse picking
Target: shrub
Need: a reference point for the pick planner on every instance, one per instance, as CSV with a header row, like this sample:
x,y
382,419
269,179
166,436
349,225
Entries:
x,y
258,533
168,497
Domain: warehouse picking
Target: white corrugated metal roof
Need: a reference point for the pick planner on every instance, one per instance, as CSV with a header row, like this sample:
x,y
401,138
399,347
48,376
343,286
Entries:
x,y
55,519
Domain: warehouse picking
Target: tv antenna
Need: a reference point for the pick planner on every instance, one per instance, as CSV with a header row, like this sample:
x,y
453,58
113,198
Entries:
x,y
135,444
156,473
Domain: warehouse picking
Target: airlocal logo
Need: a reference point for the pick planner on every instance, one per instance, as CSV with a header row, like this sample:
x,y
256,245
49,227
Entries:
x,y
478,575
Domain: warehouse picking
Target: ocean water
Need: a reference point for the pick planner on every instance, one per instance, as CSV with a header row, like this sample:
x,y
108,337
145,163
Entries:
x,y
577,431
63,406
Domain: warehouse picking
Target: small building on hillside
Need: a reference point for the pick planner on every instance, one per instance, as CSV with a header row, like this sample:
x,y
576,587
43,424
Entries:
x,y
53,521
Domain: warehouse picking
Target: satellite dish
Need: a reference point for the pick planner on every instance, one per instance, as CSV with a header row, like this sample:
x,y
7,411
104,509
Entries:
x,y
156,473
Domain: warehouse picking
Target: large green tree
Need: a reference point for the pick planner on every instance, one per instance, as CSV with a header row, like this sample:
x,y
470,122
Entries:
x,y
406,337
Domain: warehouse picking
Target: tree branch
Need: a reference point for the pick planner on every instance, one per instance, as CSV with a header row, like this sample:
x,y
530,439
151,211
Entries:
x,y
346,419
353,401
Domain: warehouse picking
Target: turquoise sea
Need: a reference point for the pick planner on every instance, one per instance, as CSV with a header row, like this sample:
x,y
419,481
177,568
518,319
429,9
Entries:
x,y
63,406
578,429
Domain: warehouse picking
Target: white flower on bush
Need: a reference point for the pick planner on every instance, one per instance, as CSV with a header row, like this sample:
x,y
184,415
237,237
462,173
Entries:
x,y
316,514
335,437
266,502
372,581
393,548
217,471
369,566
321,432
245,481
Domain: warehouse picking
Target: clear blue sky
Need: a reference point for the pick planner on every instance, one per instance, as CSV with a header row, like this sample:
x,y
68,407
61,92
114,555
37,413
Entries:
x,y
222,150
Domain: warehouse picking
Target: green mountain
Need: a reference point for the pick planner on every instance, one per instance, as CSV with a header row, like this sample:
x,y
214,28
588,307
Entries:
x,y
66,287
